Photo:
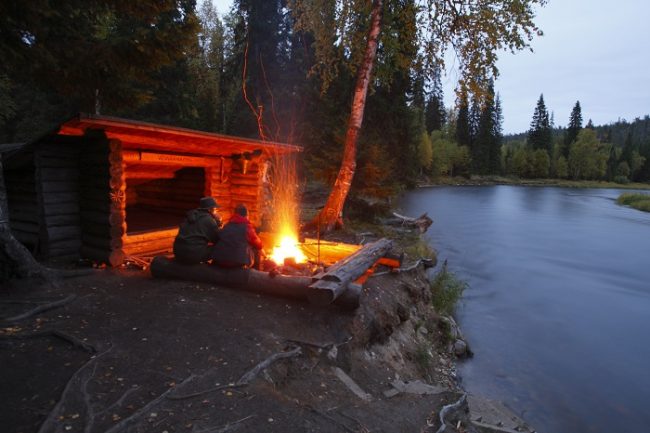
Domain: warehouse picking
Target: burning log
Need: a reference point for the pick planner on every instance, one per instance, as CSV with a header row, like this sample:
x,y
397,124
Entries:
x,y
329,285
295,287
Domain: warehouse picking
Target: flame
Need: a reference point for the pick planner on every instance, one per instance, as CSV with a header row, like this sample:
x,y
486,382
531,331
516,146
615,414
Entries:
x,y
288,247
286,211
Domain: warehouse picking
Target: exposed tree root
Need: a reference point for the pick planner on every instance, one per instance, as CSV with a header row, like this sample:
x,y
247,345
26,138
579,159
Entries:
x,y
246,377
42,308
226,427
133,418
81,375
52,333
448,408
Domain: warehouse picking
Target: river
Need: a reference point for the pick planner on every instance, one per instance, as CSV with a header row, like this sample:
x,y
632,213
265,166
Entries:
x,y
558,306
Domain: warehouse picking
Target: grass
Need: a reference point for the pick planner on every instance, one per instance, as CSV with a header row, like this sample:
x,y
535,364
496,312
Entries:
x,y
636,200
447,290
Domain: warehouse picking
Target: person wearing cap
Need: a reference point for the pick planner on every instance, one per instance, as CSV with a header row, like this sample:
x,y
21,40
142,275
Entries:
x,y
198,233
239,245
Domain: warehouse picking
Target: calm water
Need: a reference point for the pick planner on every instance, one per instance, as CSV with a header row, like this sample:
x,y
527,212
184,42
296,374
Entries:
x,y
558,309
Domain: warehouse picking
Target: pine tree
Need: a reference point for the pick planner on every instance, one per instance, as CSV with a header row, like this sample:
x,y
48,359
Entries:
x,y
575,125
539,135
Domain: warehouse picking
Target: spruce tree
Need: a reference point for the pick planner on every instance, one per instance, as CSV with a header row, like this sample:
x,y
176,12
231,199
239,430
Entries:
x,y
539,135
575,125
463,131
435,108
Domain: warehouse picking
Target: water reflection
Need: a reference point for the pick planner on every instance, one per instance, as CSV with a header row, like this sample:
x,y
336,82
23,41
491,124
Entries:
x,y
558,306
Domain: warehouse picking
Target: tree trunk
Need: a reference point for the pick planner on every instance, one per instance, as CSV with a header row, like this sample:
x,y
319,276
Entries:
x,y
20,259
330,215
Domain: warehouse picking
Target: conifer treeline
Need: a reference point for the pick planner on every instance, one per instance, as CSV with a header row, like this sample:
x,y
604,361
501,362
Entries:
x,y
407,132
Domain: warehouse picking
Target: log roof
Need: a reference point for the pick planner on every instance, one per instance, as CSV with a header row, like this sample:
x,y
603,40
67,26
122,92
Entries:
x,y
144,136
149,136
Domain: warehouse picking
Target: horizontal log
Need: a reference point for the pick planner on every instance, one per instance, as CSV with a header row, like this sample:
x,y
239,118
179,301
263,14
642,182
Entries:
x,y
70,162
148,175
155,246
110,257
62,220
60,208
329,284
294,287
56,174
153,235
66,232
60,197
64,245
245,191
134,156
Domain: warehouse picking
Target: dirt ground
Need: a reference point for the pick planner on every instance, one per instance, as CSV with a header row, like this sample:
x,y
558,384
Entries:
x,y
161,355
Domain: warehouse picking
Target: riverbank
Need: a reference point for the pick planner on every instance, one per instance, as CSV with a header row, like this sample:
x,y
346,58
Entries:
x,y
121,352
499,180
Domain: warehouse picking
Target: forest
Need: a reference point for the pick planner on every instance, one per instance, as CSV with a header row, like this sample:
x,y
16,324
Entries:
x,y
259,71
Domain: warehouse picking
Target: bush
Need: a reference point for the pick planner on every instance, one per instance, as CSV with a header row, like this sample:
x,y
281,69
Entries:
x,y
447,290
636,200
621,179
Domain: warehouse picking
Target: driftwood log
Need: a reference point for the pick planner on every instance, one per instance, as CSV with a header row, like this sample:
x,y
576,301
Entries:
x,y
422,222
328,285
295,287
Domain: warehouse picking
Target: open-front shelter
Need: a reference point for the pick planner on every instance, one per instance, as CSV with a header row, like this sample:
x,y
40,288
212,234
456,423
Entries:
x,y
104,188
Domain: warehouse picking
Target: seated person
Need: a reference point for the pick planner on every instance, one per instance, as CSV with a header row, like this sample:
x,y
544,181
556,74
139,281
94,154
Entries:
x,y
198,233
238,246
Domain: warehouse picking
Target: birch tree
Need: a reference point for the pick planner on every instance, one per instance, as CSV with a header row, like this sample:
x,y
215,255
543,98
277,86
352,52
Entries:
x,y
476,31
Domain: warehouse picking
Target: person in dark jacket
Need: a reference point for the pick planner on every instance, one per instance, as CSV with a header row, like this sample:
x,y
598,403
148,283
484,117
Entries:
x,y
239,246
198,233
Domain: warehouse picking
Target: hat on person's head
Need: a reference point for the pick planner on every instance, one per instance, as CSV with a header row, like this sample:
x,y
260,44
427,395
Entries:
x,y
208,203
241,210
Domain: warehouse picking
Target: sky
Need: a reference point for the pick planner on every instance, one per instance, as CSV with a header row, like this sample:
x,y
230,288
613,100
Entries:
x,y
592,51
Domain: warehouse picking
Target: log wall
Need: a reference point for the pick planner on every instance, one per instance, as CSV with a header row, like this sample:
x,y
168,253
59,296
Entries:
x,y
102,202
57,188
23,208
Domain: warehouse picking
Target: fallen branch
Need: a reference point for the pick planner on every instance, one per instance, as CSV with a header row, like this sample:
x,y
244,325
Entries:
x,y
42,308
422,223
76,342
448,408
246,377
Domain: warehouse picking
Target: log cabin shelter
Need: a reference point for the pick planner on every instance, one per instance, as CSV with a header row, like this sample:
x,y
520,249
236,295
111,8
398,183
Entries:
x,y
103,188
